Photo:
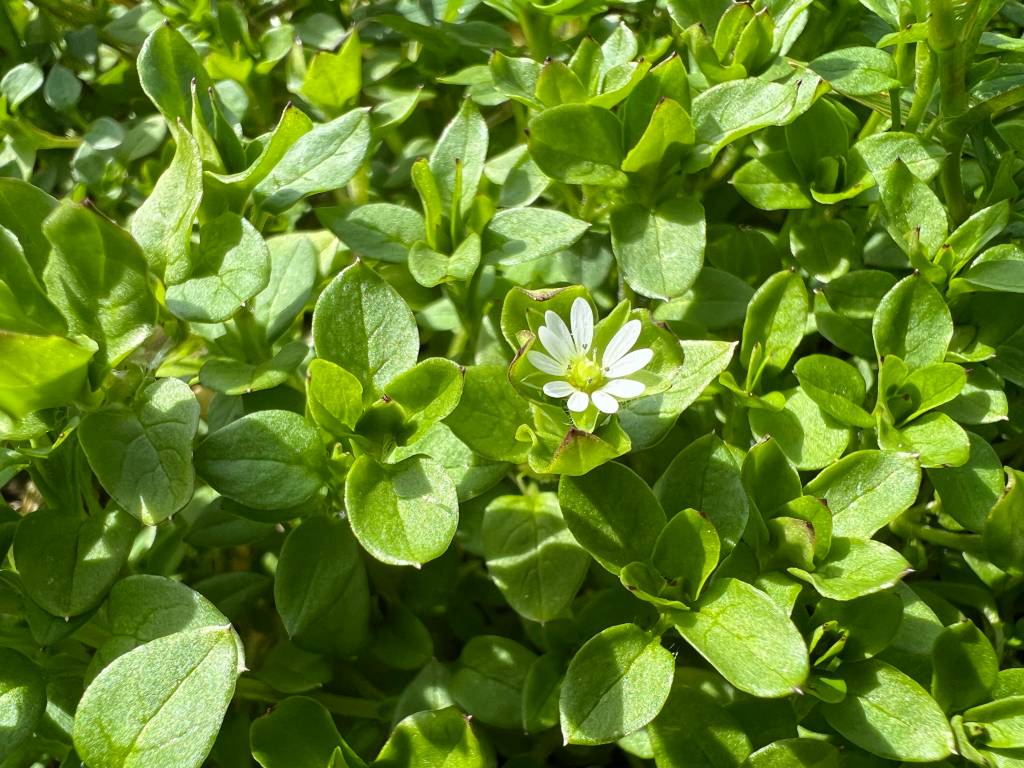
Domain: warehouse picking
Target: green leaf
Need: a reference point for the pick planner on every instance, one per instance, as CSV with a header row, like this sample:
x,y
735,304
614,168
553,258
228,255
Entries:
x,y
142,452
888,714
457,162
293,124
966,668
867,490
616,683
162,225
334,397
935,439
518,235
772,183
298,733
809,437
404,513
161,704
292,276
472,473
167,65
531,556
97,277
488,679
489,414
67,562
968,492
660,252
264,460
663,141
142,608
381,231
334,79
795,753
915,218
578,144
857,71
695,730
613,514
40,372
237,378
855,568
20,82
442,738
325,158
706,476
363,324
836,386
998,269
320,588
22,699
774,323
726,112
230,266
687,550
1003,534
746,636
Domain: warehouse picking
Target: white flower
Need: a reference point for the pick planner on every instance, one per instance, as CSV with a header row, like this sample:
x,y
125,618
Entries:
x,y
579,376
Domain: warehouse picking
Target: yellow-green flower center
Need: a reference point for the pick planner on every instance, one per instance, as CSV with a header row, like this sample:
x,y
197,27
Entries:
x,y
585,374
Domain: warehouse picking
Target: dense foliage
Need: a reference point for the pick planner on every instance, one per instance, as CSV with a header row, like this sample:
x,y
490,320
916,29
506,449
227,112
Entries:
x,y
511,383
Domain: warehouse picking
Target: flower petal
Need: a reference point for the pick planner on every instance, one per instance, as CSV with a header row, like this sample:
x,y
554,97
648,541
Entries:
x,y
579,401
582,318
621,343
558,389
631,363
555,337
605,403
544,363
623,388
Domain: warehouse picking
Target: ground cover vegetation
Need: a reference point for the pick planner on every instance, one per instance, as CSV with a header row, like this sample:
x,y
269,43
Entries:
x,y
524,383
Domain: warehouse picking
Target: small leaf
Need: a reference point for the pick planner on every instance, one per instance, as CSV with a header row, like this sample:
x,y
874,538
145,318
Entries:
x,y
660,252
265,460
363,324
325,158
888,714
578,144
404,513
230,266
531,556
867,490
22,699
488,679
320,588
443,738
613,514
746,636
616,683
67,562
142,452
855,568
298,733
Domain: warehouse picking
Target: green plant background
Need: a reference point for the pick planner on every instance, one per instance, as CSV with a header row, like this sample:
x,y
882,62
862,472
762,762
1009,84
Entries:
x,y
280,482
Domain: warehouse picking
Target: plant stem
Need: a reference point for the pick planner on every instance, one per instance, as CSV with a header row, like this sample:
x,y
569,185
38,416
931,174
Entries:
x,y
344,706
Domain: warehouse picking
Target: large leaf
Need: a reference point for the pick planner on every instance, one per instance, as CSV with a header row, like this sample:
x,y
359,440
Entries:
x,y
746,636
160,705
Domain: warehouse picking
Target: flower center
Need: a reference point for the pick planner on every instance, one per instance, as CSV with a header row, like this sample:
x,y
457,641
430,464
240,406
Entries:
x,y
585,374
